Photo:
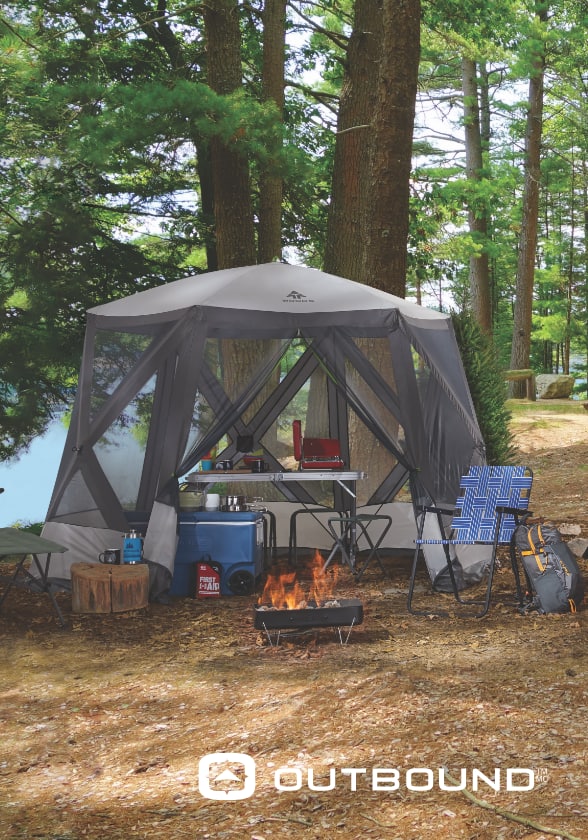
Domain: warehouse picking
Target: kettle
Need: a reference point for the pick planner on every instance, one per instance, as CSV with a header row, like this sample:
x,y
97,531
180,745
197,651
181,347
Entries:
x,y
132,547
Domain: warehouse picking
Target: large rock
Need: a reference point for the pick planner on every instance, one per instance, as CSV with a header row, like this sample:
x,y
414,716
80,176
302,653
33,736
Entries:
x,y
579,547
569,529
554,386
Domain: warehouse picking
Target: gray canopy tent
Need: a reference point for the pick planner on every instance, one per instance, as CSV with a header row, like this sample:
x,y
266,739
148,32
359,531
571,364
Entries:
x,y
228,359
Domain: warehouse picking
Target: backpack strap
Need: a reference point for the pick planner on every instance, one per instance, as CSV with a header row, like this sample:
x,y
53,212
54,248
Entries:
x,y
535,551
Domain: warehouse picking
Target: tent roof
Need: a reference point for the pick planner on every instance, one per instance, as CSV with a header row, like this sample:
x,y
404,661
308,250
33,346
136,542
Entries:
x,y
272,287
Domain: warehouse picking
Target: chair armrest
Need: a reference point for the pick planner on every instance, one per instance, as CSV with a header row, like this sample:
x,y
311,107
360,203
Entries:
x,y
433,509
513,510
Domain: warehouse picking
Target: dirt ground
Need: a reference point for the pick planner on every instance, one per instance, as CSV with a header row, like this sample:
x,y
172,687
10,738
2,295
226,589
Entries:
x,y
103,723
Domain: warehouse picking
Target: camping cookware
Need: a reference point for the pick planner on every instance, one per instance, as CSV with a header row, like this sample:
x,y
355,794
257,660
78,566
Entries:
x,y
212,501
110,556
132,547
233,503
190,498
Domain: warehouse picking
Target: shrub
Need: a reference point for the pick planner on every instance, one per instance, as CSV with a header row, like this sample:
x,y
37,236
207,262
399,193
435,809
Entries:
x,y
487,387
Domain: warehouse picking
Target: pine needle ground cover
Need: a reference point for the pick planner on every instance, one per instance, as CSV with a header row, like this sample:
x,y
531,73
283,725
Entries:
x,y
104,723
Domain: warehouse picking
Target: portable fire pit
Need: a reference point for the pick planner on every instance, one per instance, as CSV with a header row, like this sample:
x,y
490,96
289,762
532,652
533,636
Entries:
x,y
341,613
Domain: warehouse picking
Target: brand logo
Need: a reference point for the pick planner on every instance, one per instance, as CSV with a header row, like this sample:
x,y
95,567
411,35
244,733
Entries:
x,y
297,297
226,776
232,776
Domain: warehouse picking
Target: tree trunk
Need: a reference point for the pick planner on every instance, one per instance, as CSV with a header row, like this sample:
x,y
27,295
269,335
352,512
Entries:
x,y
271,187
483,88
391,148
477,212
368,221
523,308
233,209
484,91
585,197
346,235
206,212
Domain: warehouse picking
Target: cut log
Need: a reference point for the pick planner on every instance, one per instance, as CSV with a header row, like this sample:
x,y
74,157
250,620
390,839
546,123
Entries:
x,y
90,588
129,587
99,588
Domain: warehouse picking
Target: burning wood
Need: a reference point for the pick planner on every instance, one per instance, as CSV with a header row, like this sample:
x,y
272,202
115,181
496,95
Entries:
x,y
283,590
286,605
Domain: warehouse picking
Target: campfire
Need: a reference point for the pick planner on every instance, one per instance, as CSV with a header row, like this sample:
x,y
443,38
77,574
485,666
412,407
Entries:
x,y
284,591
286,603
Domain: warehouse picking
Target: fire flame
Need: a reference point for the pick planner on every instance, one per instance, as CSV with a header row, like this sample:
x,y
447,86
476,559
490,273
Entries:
x,y
283,590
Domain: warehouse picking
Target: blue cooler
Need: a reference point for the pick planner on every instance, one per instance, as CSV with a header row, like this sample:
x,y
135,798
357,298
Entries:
x,y
234,540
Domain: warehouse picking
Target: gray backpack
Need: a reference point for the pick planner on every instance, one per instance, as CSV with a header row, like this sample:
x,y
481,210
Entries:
x,y
554,579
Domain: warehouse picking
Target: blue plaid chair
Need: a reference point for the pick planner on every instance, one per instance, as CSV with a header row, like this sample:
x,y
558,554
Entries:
x,y
492,503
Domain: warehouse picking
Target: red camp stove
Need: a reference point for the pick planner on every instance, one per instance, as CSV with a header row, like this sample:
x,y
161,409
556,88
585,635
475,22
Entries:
x,y
342,614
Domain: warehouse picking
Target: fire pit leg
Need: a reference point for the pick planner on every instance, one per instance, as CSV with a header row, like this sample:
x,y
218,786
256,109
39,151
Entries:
x,y
339,630
269,636
274,640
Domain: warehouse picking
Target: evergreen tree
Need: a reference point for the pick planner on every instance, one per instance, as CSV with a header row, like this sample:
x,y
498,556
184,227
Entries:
x,y
487,388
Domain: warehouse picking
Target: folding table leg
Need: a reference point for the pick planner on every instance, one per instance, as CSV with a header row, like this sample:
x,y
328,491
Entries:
x,y
364,524
12,581
41,583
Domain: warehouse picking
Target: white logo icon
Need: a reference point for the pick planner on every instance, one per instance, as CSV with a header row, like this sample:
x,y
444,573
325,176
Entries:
x,y
221,785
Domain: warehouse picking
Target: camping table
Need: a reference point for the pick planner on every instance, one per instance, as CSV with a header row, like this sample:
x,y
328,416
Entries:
x,y
21,544
345,478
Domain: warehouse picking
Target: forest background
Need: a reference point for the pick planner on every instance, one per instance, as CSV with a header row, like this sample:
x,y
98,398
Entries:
x,y
436,150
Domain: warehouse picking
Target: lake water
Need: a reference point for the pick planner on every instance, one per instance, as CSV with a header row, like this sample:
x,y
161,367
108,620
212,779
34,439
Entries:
x,y
28,482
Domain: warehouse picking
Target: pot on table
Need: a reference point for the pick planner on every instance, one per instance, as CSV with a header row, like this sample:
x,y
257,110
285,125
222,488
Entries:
x,y
191,498
233,504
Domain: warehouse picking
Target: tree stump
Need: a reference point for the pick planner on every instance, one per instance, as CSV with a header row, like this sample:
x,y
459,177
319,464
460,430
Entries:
x,y
100,588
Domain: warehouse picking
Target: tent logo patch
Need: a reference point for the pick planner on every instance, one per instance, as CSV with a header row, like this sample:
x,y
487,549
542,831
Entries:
x,y
297,297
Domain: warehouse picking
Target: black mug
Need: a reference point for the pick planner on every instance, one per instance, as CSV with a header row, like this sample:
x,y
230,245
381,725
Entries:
x,y
258,466
111,556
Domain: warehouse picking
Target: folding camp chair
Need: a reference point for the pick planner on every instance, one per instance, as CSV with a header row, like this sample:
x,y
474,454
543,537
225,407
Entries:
x,y
492,503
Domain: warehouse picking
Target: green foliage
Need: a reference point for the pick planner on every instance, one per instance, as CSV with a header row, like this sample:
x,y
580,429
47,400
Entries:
x,y
503,38
487,388
30,527
107,118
